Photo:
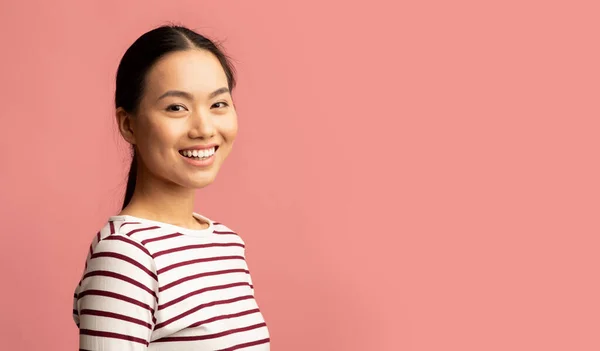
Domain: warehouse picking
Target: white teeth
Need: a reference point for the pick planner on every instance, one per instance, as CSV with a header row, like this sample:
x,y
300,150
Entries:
x,y
199,153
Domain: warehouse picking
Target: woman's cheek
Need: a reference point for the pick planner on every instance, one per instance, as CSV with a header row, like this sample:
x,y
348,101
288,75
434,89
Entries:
x,y
230,127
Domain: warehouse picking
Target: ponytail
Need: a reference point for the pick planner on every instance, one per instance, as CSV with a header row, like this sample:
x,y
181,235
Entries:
x,y
131,180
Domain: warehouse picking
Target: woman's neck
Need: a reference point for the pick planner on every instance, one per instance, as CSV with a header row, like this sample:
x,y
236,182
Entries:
x,y
168,203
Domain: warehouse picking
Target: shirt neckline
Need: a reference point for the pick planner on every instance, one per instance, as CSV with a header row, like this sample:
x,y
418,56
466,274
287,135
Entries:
x,y
182,230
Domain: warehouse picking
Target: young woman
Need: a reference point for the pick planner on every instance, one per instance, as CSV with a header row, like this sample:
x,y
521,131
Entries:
x,y
159,276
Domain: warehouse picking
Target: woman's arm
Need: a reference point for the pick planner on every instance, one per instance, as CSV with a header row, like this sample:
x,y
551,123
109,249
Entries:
x,y
117,297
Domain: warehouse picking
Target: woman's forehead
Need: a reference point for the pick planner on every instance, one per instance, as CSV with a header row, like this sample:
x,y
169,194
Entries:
x,y
194,71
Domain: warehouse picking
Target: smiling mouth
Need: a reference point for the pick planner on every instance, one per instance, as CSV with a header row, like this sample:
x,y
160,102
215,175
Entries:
x,y
199,154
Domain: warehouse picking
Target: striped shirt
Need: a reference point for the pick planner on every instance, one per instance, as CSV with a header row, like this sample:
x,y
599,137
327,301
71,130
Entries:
x,y
153,286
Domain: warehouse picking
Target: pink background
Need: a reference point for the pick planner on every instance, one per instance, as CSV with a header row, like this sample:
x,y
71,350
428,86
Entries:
x,y
421,175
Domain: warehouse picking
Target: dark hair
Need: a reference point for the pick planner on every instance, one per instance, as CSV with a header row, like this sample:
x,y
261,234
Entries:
x,y
139,59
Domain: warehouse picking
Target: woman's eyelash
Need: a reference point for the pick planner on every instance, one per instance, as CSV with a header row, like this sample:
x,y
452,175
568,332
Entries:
x,y
170,108
221,102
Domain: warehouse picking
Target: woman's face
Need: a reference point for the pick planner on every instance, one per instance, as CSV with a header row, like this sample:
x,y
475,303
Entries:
x,y
186,122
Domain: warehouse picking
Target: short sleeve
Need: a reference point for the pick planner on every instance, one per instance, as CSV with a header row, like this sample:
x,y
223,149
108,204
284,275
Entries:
x,y
249,275
117,297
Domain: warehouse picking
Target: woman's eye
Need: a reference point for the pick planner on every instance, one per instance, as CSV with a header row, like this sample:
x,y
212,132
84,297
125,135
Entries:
x,y
176,108
220,104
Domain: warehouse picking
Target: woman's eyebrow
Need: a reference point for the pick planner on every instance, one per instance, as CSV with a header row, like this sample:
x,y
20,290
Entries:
x,y
186,95
217,92
177,93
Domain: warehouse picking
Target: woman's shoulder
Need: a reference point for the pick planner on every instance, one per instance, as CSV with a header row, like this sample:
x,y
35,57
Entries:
x,y
140,232
222,230
117,230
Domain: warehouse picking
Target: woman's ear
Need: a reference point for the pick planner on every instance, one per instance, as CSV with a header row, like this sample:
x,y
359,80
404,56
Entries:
x,y
125,123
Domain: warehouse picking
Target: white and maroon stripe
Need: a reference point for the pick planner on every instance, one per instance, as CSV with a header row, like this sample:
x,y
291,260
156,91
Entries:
x,y
148,284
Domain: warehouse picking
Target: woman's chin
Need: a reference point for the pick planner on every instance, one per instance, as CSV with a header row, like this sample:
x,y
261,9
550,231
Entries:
x,y
200,181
